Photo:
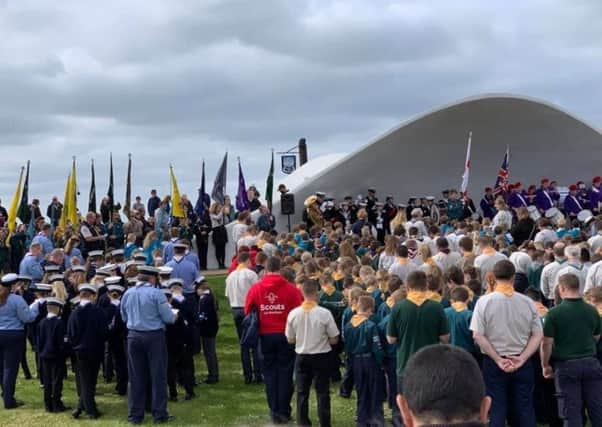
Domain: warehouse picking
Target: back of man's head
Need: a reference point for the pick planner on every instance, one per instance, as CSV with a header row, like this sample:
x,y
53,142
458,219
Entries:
x,y
309,288
558,249
442,385
243,257
273,264
504,270
416,281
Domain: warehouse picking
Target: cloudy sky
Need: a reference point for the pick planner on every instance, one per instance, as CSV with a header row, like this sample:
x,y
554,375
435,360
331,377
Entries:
x,y
178,81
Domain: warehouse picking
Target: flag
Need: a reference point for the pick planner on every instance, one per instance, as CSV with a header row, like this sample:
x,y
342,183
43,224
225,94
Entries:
x,y
24,209
72,211
203,201
92,196
269,185
13,207
501,184
176,207
219,185
464,185
242,200
128,189
110,192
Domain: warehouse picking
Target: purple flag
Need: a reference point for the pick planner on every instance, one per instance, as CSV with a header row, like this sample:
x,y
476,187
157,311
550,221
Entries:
x,y
242,201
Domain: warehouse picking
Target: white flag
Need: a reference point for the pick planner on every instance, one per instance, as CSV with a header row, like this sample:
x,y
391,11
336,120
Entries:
x,y
464,185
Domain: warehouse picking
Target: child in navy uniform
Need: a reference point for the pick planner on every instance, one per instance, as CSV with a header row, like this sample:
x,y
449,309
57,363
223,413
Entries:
x,y
51,353
208,326
180,362
87,331
362,343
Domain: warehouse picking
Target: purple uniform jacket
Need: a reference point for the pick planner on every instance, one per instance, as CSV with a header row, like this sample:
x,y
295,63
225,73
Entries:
x,y
595,197
543,200
517,200
572,205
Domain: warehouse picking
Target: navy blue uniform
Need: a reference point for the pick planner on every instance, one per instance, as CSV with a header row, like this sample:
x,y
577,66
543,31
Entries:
x,y
51,351
180,363
87,330
208,326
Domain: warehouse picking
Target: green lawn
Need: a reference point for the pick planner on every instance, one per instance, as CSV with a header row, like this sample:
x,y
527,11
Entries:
x,y
228,403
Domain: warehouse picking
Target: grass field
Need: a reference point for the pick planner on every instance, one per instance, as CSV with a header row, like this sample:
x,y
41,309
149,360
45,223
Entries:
x,y
228,403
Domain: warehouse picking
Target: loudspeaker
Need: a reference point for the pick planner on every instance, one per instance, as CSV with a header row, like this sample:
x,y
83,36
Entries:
x,y
287,204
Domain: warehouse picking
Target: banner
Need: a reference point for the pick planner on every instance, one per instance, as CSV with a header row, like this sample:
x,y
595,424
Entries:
x,y
289,163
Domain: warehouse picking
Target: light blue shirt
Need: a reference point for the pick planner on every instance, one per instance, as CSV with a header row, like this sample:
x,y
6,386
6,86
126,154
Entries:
x,y
47,245
32,267
15,313
168,251
144,308
184,269
193,258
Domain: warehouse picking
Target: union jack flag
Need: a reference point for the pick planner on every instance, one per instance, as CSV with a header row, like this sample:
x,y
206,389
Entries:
x,y
501,184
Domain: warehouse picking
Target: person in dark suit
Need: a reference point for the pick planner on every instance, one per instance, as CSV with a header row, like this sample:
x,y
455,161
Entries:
x,y
87,331
208,324
524,229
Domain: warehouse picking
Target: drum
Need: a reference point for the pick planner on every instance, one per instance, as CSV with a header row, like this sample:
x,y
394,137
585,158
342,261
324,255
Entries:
x,y
534,213
554,215
585,216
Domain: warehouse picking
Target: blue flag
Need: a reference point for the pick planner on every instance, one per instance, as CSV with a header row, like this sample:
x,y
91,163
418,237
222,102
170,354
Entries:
x,y
501,183
203,201
219,185
242,201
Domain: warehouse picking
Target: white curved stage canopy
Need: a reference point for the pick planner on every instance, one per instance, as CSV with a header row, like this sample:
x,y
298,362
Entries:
x,y
426,154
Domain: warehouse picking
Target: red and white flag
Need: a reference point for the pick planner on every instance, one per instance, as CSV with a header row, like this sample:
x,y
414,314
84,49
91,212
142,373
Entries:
x,y
464,185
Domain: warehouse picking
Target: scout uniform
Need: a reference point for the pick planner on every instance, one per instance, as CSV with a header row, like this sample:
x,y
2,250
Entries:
x,y
362,342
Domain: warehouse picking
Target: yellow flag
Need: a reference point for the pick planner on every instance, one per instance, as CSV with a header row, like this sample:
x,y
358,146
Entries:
x,y
176,207
73,197
14,206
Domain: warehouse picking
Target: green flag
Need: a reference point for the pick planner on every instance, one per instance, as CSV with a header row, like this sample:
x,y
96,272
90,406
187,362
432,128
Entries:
x,y
24,212
92,197
269,187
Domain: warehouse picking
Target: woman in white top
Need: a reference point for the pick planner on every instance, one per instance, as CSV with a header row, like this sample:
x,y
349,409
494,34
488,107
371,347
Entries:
x,y
389,254
503,217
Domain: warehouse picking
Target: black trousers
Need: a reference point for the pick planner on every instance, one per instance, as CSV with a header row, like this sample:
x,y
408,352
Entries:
x,y
208,346
86,376
54,373
220,253
11,350
313,368
180,365
120,364
249,357
202,249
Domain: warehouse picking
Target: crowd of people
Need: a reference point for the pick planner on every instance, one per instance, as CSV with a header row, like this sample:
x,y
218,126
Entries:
x,y
350,295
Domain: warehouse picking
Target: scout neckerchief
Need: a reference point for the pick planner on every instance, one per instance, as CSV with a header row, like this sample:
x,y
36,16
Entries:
x,y
308,305
505,288
433,296
358,319
417,297
459,306
328,289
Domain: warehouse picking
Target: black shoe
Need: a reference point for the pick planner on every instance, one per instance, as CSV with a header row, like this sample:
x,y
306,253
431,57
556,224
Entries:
x,y
210,381
248,380
60,407
28,376
345,395
189,396
95,415
75,414
135,421
173,398
258,380
48,409
164,420
15,404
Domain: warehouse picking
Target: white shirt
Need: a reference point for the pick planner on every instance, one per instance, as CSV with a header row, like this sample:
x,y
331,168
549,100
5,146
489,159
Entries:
x,y
576,269
548,274
310,330
486,262
445,261
238,284
502,219
248,241
546,235
595,243
238,230
594,276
